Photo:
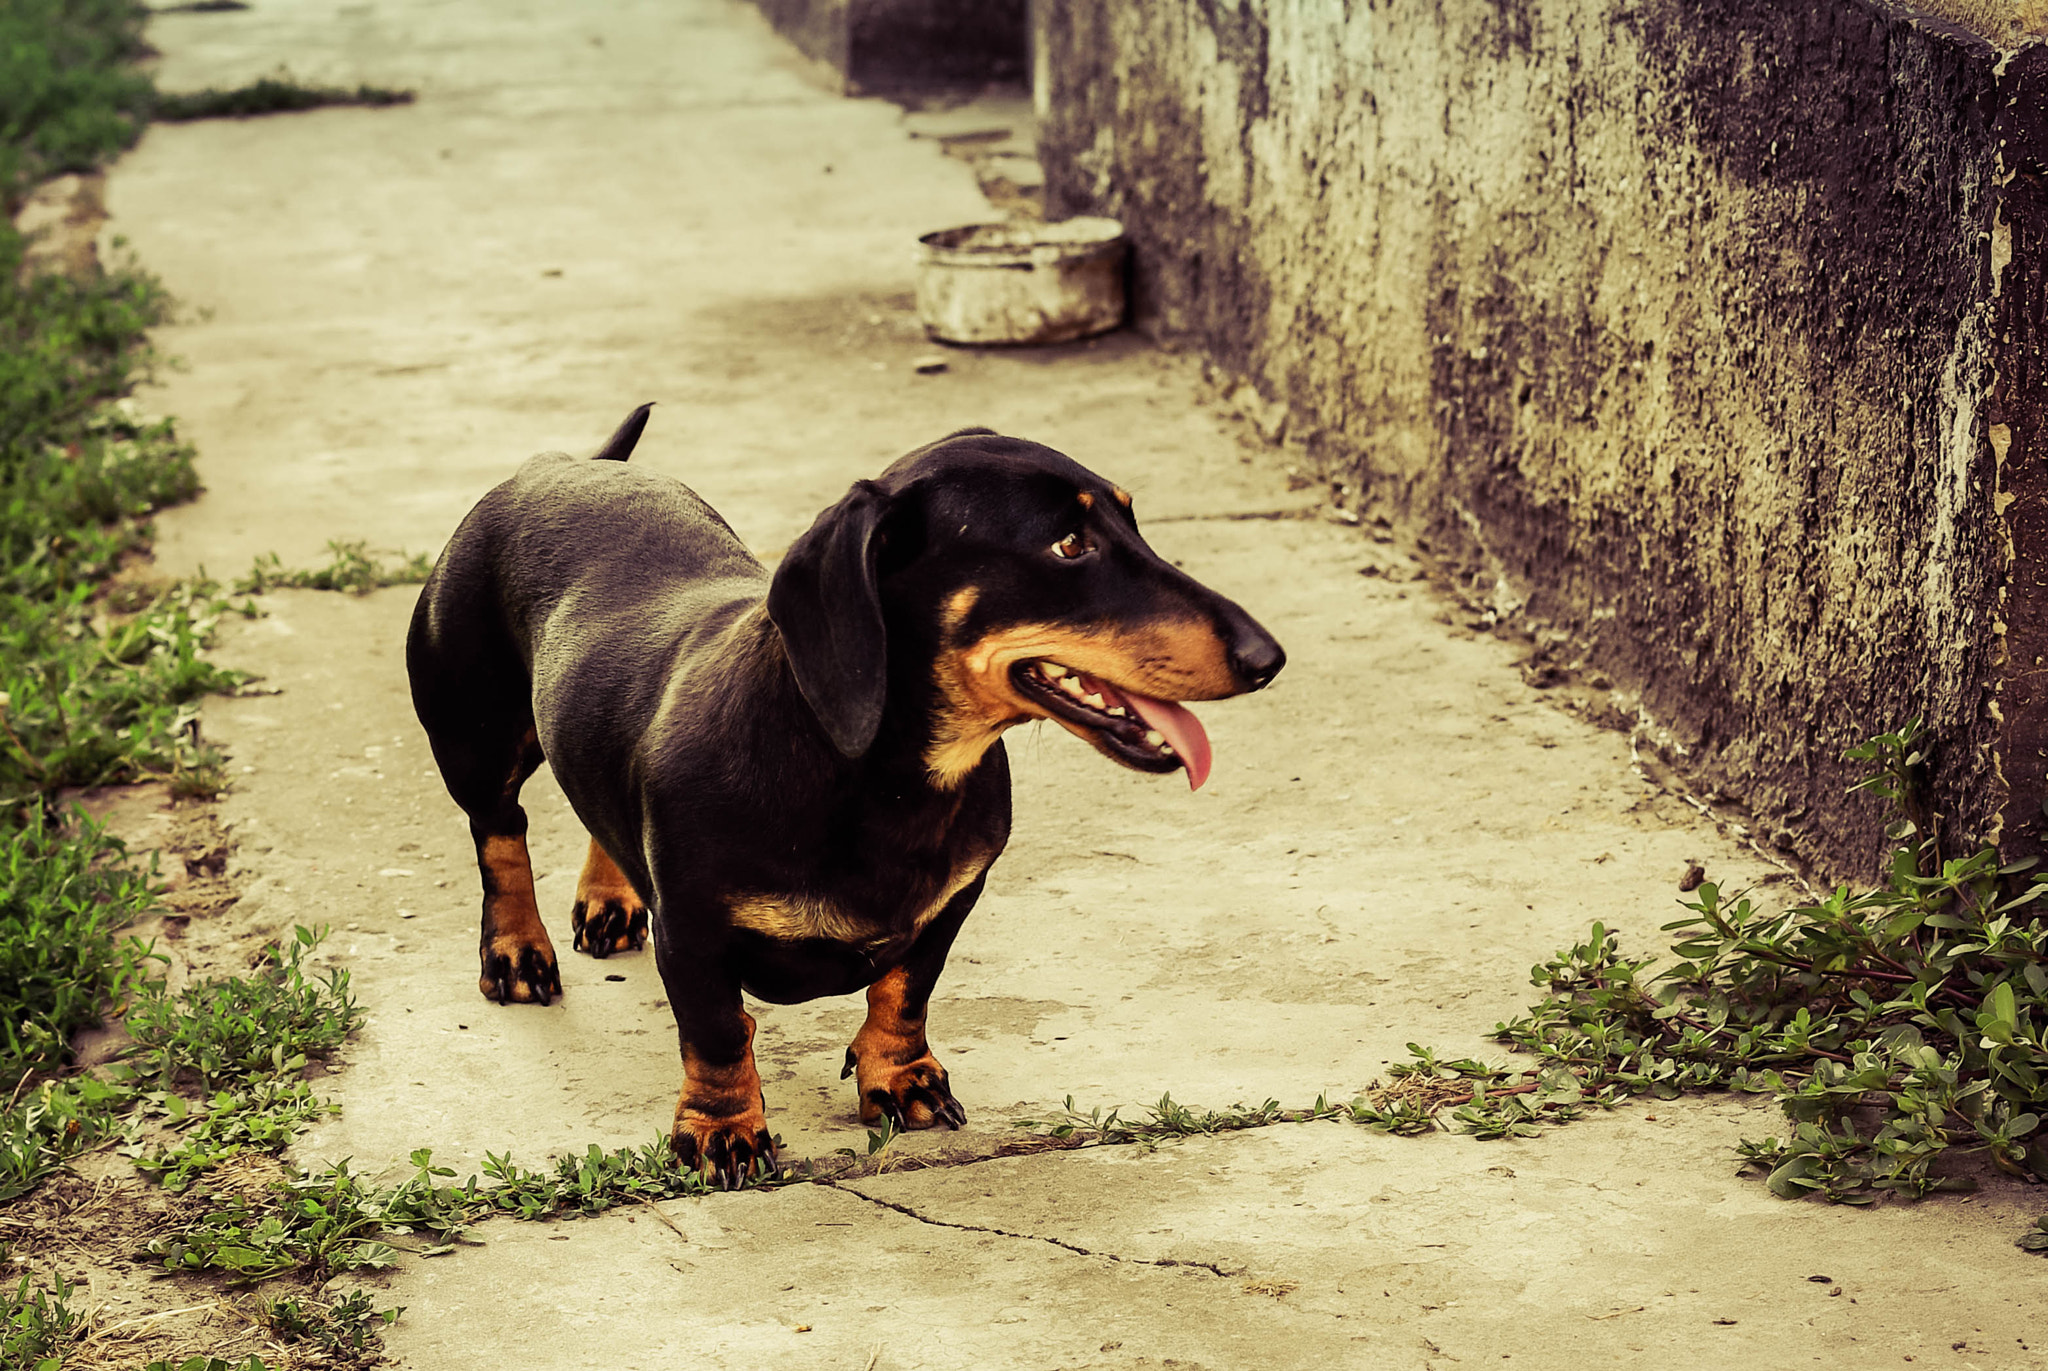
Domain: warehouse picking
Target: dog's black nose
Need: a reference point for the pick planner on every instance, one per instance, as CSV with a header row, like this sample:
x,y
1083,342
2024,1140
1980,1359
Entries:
x,y
1256,657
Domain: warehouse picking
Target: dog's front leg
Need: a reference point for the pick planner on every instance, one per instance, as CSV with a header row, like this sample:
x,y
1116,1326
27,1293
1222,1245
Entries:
x,y
891,1061
721,1125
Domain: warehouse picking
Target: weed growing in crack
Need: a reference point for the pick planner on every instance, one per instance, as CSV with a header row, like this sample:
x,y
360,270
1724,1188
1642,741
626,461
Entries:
x,y
280,94
351,566
1168,1120
1895,1027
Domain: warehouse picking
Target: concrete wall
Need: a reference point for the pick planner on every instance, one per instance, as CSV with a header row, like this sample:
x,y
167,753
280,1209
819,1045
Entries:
x,y
1669,324
892,46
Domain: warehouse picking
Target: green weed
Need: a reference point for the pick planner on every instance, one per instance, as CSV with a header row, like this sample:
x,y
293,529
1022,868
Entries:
x,y
1896,1026
351,566
98,683
280,94
36,1323
1167,1120
262,1117
70,96
245,1028
64,896
344,1327
54,1122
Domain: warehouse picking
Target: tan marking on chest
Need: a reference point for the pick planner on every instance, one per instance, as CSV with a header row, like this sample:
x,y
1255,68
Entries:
x,y
791,917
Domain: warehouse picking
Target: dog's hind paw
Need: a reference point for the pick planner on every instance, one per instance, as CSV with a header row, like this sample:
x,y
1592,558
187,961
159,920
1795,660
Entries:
x,y
616,925
520,975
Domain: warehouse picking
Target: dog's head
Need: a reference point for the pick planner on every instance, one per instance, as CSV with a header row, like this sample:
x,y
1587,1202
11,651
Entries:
x,y
988,581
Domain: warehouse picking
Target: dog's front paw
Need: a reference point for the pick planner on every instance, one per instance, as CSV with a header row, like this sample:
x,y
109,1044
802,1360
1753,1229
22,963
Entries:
x,y
912,1094
727,1150
517,972
615,923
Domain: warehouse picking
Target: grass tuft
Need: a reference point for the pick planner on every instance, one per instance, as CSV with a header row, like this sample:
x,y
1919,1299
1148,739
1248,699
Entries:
x,y
70,96
269,95
242,1029
351,566
65,894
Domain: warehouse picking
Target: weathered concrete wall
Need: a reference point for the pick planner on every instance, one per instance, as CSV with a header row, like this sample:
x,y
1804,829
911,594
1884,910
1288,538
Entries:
x,y
1669,322
2018,435
889,46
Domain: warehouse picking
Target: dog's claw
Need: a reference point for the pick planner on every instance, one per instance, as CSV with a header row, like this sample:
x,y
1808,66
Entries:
x,y
614,926
727,1158
914,1094
533,978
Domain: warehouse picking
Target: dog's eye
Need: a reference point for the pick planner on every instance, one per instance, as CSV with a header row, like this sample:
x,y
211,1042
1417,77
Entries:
x,y
1073,545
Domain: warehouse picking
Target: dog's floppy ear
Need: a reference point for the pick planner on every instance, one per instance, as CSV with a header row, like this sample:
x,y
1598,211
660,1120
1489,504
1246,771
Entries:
x,y
827,604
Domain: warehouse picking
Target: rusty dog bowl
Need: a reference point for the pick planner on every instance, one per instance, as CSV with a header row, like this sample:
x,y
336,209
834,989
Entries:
x,y
1022,283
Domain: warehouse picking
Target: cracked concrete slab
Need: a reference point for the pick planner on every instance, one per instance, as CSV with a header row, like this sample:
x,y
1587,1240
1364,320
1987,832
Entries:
x,y
631,200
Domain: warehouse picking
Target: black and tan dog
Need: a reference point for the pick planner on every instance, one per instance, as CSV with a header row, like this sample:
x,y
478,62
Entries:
x,y
801,776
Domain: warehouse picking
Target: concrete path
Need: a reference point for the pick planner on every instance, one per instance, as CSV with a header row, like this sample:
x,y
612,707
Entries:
x,y
624,200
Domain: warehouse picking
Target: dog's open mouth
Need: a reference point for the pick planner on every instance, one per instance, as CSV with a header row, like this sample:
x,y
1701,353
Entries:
x,y
1143,733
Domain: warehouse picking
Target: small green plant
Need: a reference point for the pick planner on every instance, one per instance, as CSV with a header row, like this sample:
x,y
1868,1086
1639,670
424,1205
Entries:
x,y
1895,1026
320,1224
260,1117
344,1327
36,1323
351,566
54,1122
1167,1120
594,1180
245,1028
281,94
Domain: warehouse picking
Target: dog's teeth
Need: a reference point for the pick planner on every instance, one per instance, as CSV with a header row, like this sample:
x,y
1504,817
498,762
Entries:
x,y
1093,700
1072,685
1155,738
1052,669
1119,711
1166,751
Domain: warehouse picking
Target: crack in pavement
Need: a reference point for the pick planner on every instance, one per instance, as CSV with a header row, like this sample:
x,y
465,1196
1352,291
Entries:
x,y
908,1212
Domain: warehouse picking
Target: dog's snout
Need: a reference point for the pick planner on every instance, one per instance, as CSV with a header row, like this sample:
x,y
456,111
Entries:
x,y
1256,657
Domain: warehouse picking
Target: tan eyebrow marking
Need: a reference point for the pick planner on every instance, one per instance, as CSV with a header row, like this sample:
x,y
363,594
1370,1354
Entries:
x,y
1123,497
1087,500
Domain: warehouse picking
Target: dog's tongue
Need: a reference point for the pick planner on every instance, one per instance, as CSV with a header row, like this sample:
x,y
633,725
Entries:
x,y
1182,729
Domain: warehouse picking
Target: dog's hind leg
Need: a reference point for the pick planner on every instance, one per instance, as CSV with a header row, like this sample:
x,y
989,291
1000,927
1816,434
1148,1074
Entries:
x,y
518,958
609,915
474,704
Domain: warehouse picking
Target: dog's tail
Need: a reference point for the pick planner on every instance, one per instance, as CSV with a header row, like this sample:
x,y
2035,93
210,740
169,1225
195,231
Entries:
x,y
620,445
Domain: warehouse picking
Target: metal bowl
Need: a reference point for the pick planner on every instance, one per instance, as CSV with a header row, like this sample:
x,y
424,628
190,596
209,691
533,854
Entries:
x,y
1022,282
